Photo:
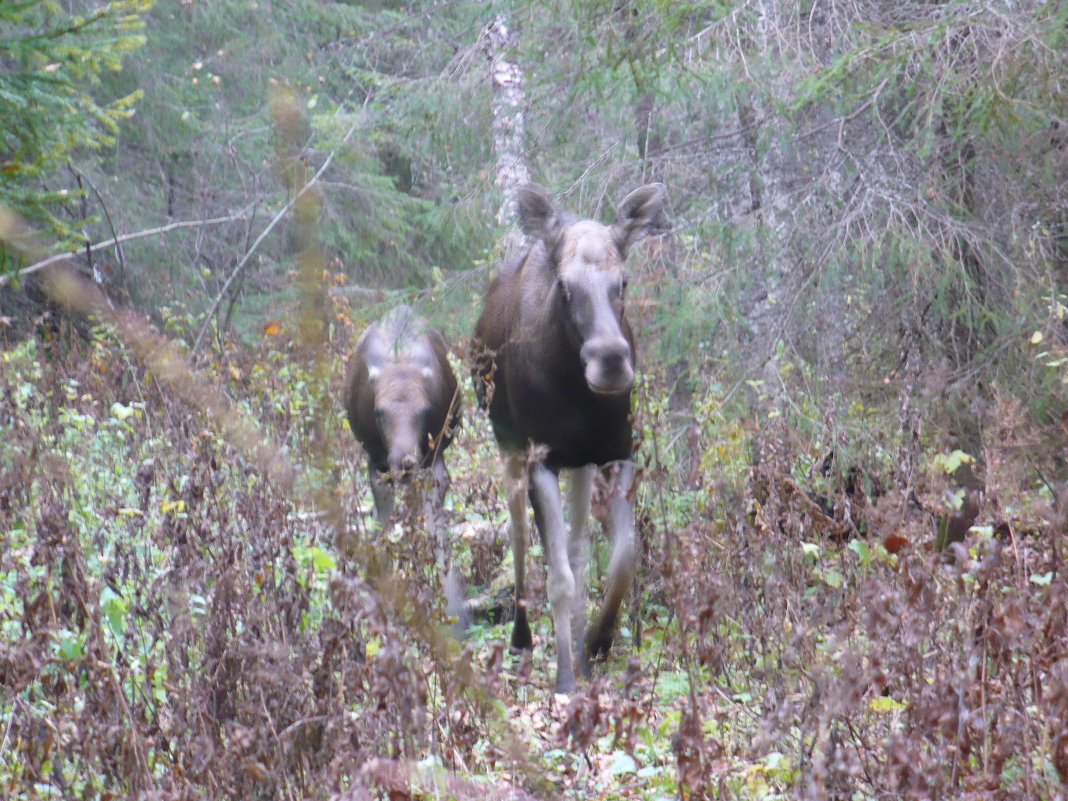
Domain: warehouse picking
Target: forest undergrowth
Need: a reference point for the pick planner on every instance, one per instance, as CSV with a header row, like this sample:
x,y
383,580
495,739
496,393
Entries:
x,y
178,623
851,417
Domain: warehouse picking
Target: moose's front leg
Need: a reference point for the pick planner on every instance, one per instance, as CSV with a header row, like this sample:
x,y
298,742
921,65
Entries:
x,y
578,552
549,517
621,568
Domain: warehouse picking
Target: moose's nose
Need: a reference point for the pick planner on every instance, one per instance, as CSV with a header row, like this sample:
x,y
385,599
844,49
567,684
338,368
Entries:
x,y
608,365
402,467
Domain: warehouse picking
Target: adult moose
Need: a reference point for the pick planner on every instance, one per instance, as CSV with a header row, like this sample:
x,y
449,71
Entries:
x,y
403,405
554,363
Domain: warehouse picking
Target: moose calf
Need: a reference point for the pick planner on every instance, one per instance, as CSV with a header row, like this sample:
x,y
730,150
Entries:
x,y
403,405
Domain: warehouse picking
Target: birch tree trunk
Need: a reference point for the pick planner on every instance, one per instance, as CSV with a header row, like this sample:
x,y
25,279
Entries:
x,y
509,110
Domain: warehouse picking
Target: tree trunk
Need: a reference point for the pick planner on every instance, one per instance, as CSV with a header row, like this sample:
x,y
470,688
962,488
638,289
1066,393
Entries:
x,y
509,111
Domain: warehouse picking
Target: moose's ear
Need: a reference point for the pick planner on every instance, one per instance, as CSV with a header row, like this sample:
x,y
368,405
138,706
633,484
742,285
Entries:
x,y
538,216
637,212
374,357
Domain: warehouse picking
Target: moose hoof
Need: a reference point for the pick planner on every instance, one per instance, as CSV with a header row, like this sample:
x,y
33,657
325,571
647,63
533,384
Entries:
x,y
598,645
566,686
521,638
585,667
458,630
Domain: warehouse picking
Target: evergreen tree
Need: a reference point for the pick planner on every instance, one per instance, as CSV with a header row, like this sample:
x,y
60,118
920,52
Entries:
x,y
50,60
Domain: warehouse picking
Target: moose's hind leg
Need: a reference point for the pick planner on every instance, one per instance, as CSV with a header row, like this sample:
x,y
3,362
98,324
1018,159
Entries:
x,y
515,480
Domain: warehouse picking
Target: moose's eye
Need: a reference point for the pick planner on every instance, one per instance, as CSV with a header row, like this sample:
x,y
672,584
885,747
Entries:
x,y
565,293
623,284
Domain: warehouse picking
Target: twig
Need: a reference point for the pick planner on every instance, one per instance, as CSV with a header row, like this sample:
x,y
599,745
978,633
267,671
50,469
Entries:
x,y
352,289
237,292
107,216
263,235
841,121
59,257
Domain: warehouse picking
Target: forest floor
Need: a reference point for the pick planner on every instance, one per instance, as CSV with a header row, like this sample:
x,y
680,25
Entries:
x,y
191,608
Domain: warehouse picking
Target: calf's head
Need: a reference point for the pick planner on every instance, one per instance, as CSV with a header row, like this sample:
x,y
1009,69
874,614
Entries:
x,y
587,259
402,392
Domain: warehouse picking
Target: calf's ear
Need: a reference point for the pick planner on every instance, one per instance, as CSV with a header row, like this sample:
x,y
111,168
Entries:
x,y
637,212
374,357
538,216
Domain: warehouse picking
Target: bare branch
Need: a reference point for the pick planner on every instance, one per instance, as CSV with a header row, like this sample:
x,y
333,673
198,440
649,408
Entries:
x,y
263,235
59,257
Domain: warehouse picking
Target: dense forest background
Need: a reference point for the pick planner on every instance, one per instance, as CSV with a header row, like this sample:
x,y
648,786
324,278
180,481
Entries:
x,y
852,411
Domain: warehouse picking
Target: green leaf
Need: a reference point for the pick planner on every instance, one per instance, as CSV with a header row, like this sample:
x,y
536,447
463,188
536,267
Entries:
x,y
70,646
672,685
114,607
321,559
884,703
949,463
860,548
120,411
622,762
777,762
833,579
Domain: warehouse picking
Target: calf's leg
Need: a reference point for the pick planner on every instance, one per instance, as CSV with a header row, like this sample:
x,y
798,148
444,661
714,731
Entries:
x,y
382,492
450,576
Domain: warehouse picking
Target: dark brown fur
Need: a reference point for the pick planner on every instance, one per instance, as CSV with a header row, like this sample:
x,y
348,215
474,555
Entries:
x,y
553,361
